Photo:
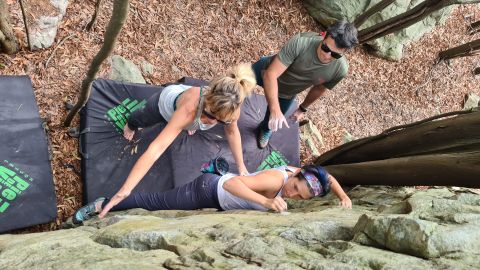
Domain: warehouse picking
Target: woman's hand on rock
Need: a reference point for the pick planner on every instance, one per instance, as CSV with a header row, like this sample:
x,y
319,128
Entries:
x,y
276,204
116,199
346,203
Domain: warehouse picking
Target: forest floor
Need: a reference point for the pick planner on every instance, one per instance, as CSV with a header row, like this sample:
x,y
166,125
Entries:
x,y
204,38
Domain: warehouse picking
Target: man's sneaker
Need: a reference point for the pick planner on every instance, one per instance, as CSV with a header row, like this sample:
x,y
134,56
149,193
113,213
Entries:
x,y
86,212
263,137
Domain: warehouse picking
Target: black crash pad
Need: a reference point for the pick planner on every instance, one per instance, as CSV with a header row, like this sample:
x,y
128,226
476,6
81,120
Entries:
x,y
27,194
107,157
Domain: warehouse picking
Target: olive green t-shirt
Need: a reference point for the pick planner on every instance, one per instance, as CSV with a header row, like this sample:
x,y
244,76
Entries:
x,y
304,68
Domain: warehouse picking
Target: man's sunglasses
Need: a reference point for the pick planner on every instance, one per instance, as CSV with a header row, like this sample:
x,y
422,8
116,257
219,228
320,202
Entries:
x,y
211,116
326,49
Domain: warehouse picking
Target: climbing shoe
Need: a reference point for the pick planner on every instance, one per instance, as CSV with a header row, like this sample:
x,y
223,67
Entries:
x,y
86,212
263,137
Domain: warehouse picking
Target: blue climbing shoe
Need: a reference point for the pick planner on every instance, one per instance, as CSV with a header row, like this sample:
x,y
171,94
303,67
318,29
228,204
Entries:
x,y
263,137
86,212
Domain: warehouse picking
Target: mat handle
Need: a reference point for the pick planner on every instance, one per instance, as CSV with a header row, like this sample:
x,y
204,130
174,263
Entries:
x,y
80,143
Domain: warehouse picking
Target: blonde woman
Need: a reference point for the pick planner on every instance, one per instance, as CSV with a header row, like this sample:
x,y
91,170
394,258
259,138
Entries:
x,y
189,108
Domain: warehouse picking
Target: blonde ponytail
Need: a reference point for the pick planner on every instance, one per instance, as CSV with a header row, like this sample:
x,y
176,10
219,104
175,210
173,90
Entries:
x,y
227,93
243,74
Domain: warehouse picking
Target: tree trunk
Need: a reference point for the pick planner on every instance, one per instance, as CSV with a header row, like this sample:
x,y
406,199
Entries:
x,y
474,28
440,152
467,49
119,15
98,4
407,18
451,169
367,14
8,41
25,22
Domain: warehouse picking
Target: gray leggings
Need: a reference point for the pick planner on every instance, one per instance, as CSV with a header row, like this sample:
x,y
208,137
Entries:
x,y
200,193
146,116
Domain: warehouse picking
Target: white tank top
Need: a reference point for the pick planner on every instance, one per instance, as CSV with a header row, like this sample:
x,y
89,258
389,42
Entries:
x,y
166,101
166,106
228,201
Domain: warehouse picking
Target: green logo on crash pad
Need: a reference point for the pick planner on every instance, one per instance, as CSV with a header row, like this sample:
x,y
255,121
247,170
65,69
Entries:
x,y
275,159
118,115
12,184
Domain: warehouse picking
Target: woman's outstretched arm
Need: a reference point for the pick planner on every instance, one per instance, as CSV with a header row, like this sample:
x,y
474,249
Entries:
x,y
179,120
235,142
337,189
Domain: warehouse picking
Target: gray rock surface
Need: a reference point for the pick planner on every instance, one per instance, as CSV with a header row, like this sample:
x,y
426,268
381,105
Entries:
x,y
390,46
125,70
347,137
147,68
388,228
312,138
439,223
471,101
44,27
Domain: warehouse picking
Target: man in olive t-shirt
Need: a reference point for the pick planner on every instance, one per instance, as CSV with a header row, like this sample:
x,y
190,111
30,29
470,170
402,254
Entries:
x,y
307,59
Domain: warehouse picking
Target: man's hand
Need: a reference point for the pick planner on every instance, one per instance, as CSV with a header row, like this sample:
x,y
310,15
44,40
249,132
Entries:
x,y
276,121
346,202
298,115
116,199
276,204
242,170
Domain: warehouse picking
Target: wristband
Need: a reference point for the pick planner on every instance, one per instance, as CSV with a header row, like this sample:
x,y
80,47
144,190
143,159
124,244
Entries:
x,y
302,109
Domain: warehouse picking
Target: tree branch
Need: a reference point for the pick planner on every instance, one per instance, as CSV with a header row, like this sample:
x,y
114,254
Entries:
x,y
374,9
459,2
400,21
27,29
352,151
95,15
412,16
467,49
59,44
474,28
118,18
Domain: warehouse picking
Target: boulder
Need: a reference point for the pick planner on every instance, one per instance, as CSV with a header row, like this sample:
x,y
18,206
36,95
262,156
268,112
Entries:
x,y
388,228
471,101
311,137
125,70
44,24
439,222
147,68
347,137
72,249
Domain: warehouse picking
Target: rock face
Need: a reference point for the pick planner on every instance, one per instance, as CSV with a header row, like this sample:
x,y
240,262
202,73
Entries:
x,y
440,223
43,28
390,46
471,101
125,70
388,228
311,137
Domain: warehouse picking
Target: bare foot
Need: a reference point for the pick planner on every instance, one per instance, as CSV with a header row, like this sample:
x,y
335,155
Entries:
x,y
128,133
191,132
